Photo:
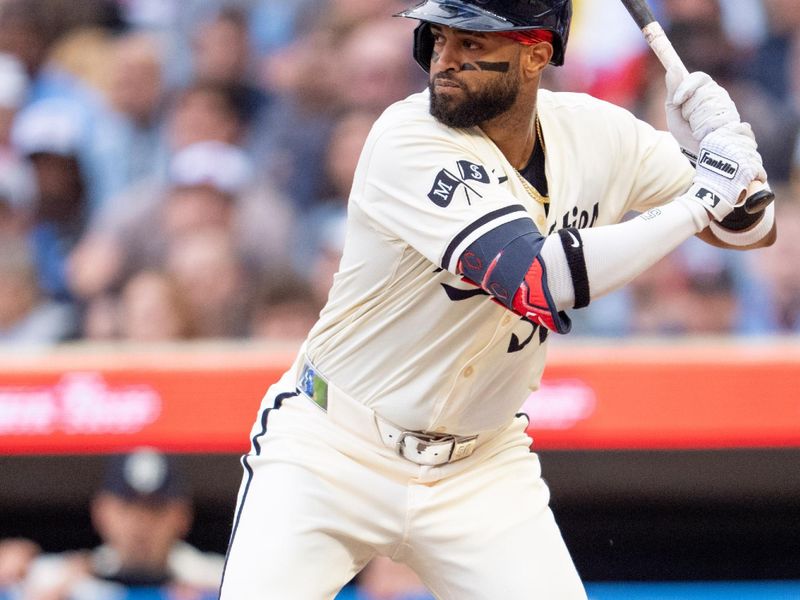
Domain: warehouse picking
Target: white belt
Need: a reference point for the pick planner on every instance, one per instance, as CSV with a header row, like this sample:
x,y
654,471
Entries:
x,y
420,447
423,448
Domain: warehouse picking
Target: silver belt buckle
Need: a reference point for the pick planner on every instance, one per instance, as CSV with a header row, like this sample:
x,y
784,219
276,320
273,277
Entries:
x,y
459,447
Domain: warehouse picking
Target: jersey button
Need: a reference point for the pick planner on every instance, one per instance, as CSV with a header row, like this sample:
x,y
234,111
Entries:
x,y
506,320
440,429
541,220
468,371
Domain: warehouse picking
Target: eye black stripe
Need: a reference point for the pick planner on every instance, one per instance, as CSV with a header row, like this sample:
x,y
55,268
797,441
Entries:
x,y
497,67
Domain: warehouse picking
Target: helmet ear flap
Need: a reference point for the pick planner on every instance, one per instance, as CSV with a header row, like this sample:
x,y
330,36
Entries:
x,y
423,45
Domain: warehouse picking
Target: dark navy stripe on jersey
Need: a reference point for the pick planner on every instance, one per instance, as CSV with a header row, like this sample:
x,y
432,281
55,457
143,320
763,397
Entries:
x,y
256,444
519,242
464,233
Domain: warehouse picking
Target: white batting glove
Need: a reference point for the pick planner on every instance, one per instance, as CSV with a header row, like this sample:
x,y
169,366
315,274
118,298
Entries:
x,y
727,163
696,105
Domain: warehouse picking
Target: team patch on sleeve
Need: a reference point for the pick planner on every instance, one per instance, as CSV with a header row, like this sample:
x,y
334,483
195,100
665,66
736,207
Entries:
x,y
447,183
444,188
472,171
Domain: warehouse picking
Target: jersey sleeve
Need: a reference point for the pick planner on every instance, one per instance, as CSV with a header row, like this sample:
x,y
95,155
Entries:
x,y
661,171
428,187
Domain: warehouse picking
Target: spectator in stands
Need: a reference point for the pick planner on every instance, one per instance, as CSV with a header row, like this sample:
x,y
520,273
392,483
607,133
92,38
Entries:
x,y
205,111
210,184
379,70
16,556
326,261
27,317
699,36
152,309
100,319
78,66
13,94
342,64
128,142
699,290
274,25
772,65
222,54
49,133
341,157
776,266
289,140
23,34
141,512
213,281
17,195
17,180
343,15
284,308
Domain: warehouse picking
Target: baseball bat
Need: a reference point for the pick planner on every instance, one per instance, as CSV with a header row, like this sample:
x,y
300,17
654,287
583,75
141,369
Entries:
x,y
758,194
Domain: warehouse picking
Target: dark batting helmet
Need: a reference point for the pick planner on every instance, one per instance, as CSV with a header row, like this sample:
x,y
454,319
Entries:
x,y
490,15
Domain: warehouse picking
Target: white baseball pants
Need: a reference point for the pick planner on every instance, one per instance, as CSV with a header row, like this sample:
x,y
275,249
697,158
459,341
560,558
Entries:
x,y
322,495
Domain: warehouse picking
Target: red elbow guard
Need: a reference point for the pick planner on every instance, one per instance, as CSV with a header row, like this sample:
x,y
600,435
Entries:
x,y
532,300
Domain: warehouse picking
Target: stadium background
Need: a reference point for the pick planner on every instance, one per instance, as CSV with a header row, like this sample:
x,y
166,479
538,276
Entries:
x,y
213,142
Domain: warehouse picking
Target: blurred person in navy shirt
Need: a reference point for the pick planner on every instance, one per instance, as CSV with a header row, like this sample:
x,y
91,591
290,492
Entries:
x,y
141,512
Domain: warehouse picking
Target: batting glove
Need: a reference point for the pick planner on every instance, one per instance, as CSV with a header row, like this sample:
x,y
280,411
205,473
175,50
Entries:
x,y
727,163
696,105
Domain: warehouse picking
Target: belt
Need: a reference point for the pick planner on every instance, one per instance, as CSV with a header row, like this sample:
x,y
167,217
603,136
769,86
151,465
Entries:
x,y
420,447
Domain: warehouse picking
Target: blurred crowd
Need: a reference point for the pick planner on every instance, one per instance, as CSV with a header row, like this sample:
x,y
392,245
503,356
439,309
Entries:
x,y
179,169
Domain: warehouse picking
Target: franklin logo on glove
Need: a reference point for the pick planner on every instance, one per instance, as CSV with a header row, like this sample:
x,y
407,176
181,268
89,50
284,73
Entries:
x,y
719,164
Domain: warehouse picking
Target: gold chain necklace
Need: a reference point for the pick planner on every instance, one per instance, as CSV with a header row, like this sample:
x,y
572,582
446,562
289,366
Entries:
x,y
532,191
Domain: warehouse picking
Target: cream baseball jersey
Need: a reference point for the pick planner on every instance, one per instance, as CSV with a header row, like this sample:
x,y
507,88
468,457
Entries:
x,y
402,332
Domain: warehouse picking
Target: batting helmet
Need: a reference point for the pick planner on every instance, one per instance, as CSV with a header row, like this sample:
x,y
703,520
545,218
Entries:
x,y
490,15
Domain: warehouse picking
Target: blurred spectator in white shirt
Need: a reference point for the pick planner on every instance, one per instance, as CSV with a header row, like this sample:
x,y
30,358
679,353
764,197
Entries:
x,y
210,184
27,317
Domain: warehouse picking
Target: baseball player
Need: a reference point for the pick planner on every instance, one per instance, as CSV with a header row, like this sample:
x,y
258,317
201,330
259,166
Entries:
x,y
482,210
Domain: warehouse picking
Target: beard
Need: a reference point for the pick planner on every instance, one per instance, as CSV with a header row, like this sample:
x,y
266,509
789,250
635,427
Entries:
x,y
475,107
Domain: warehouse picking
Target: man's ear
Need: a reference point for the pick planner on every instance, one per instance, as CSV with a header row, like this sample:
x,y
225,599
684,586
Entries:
x,y
535,58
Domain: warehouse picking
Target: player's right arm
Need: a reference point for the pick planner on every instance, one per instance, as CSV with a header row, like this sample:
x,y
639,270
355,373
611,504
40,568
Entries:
x,y
570,268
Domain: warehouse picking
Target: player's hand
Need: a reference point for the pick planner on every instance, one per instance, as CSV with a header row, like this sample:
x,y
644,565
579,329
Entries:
x,y
696,105
727,162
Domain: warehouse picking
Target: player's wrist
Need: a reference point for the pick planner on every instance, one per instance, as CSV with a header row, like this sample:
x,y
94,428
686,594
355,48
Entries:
x,y
742,237
701,217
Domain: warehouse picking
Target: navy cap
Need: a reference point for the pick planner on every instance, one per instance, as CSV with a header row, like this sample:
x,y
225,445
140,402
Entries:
x,y
145,475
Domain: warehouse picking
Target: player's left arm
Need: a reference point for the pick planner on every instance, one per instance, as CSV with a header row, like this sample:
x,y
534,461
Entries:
x,y
696,106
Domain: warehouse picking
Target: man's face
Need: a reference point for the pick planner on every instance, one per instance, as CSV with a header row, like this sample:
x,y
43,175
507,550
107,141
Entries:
x,y
141,534
474,77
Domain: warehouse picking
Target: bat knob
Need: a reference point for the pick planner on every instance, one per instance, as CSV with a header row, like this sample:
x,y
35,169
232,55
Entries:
x,y
758,201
